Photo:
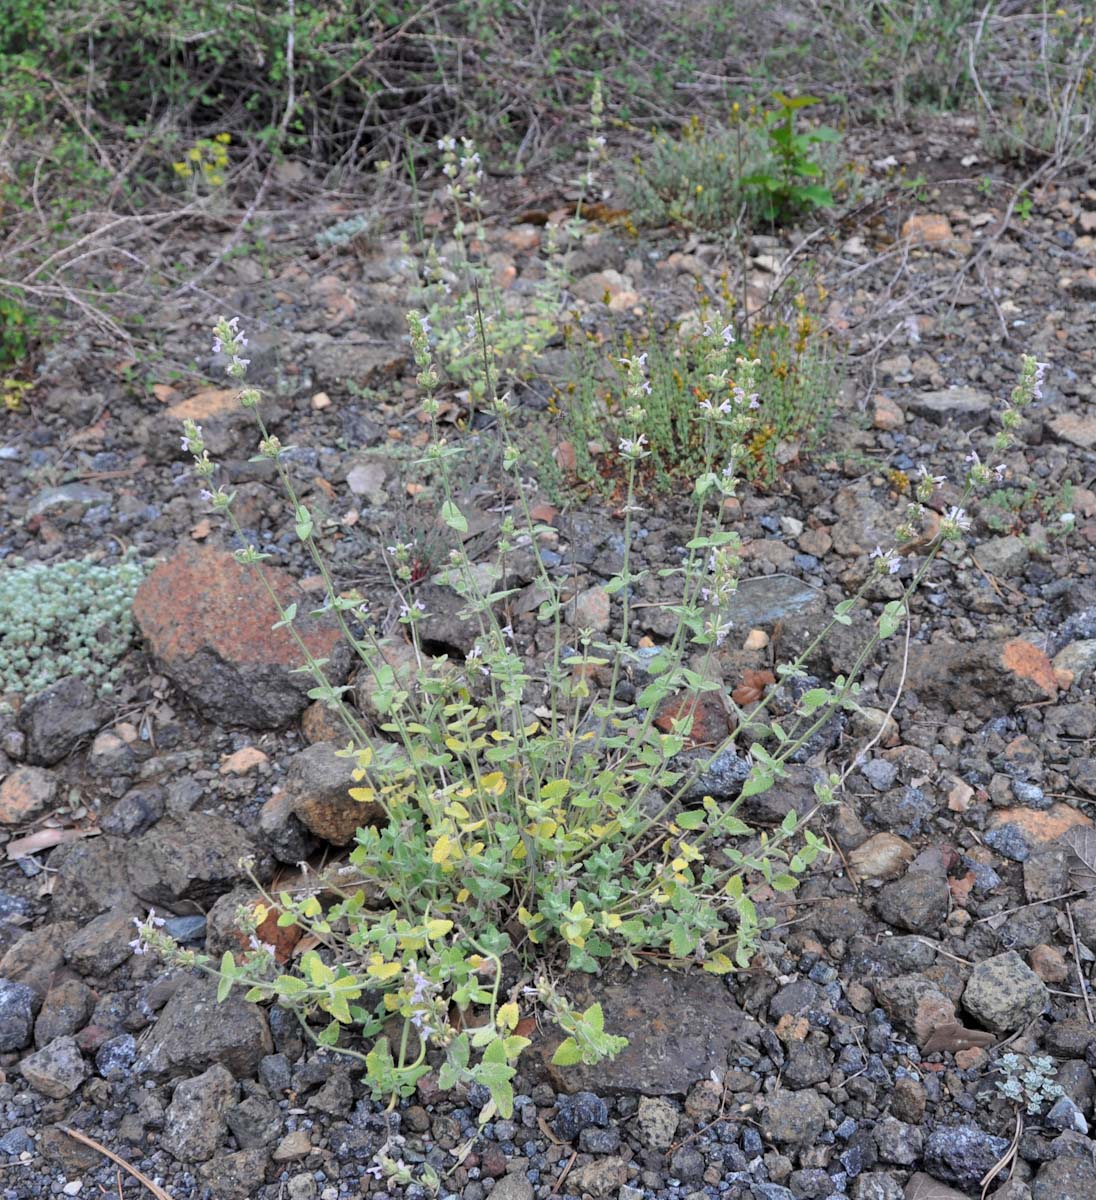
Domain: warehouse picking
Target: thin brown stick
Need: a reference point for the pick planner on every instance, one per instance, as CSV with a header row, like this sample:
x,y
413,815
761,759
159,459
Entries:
x,y
1005,912
1077,962
1008,1159
563,1174
140,1176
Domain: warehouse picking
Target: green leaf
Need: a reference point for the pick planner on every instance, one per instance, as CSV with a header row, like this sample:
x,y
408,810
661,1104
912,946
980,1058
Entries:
x,y
790,823
567,1053
288,986
813,700
595,1018
303,523
453,517
890,620
691,820
760,780
784,883
228,975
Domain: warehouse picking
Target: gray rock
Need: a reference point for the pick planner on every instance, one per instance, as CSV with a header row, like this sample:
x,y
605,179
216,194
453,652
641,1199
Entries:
x,y
962,1154
863,522
115,1057
876,1185
336,1097
794,1118
17,1006
195,857
599,1141
656,1123
918,902
88,879
807,1063
898,1142
66,504
923,1185
1067,1177
880,773
57,719
966,407
56,1070
236,1176
601,1178
706,1024
687,1164
194,1125
65,1011
763,600
193,1031
104,943
1003,556
513,1187
1004,993
139,809
356,359
1064,1114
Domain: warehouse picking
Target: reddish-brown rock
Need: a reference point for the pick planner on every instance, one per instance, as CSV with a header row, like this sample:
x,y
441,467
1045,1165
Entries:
x,y
207,622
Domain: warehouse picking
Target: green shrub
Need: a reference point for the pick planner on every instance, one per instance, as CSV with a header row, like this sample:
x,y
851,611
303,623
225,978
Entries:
x,y
761,168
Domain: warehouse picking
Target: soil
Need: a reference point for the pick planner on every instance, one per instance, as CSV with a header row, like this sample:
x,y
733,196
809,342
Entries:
x,y
861,1054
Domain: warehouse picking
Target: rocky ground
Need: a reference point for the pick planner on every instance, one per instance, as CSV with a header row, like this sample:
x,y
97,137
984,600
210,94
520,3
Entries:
x,y
861,1055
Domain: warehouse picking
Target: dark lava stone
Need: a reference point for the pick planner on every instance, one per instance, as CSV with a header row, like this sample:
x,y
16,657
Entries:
x,y
577,1112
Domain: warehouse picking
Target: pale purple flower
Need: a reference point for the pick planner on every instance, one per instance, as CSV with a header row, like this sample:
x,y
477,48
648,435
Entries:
x,y
999,472
938,480
958,518
727,334
888,558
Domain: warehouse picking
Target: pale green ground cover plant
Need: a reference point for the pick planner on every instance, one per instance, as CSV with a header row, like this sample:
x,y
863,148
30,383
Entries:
x,y
1028,1081
534,811
68,618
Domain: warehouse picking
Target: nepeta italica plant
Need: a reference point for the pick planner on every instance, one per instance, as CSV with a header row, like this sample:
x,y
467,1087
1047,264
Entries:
x,y
1028,1081
546,817
70,618
462,294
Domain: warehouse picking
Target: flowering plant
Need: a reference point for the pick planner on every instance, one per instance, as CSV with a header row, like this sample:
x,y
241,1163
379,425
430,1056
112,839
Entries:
x,y
552,815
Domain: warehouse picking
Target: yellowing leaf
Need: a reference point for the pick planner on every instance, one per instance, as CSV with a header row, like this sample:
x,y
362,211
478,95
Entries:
x,y
507,1016
493,784
437,928
385,970
443,847
363,795
463,895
